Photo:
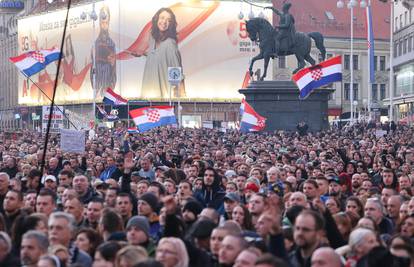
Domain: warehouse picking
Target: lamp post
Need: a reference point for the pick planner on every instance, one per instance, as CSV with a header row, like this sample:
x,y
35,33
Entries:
x,y
351,4
391,77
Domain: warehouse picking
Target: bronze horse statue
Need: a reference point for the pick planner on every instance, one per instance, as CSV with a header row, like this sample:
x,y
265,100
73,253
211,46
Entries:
x,y
262,32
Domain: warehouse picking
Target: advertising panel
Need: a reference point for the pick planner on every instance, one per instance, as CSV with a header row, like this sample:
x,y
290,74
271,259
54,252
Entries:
x,y
57,119
205,38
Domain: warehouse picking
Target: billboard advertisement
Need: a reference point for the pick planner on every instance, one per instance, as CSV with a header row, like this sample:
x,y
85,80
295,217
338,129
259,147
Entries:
x,y
133,43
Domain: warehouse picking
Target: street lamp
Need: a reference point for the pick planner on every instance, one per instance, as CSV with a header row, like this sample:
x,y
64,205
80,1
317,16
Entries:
x,y
351,4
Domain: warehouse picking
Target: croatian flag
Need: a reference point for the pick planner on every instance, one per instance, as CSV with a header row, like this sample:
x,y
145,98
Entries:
x,y
105,115
132,130
251,121
370,44
324,73
34,61
113,99
242,105
150,117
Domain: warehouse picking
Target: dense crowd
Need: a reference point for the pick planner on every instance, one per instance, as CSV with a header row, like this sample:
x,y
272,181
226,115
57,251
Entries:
x,y
199,197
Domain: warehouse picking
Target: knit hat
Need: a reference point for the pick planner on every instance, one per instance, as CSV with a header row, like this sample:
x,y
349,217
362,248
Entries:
x,y
193,206
251,186
277,188
151,199
139,222
202,228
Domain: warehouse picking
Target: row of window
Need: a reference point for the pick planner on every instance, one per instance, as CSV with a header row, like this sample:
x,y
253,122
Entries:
x,y
403,46
403,20
379,62
375,89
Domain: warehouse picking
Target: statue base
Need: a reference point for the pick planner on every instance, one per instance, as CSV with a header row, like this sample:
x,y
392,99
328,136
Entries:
x,y
279,102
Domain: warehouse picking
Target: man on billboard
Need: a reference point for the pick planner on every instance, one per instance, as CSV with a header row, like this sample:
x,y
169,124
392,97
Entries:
x,y
105,55
162,53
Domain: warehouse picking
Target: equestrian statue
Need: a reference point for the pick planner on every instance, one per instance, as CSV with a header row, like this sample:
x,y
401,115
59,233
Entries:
x,y
282,41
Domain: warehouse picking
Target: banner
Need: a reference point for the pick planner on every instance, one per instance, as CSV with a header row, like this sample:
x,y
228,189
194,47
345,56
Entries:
x,y
57,119
72,141
132,57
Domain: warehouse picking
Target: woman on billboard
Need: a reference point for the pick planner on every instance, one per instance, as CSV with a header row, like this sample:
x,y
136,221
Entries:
x,y
162,53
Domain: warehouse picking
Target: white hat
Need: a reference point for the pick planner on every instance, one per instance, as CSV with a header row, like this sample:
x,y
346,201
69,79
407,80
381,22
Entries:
x,y
49,177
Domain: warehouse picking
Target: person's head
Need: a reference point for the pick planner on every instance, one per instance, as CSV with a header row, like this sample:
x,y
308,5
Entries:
x,y
13,201
4,182
106,253
130,255
110,197
343,223
104,18
324,257
61,228
297,199
230,248
80,184
247,257
49,261
210,214
374,209
242,216
307,229
191,210
361,241
87,240
5,245
268,260
386,193
94,210
210,175
171,252
110,222
354,205
393,206
34,245
74,206
310,189
30,199
407,226
124,205
138,230
46,201
147,204
65,178
217,236
333,205
257,204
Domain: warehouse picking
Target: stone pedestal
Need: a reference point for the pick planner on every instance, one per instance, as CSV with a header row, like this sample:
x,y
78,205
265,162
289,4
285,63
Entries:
x,y
279,102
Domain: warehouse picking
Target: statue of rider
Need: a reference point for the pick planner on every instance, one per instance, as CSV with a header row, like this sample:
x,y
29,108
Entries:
x,y
285,38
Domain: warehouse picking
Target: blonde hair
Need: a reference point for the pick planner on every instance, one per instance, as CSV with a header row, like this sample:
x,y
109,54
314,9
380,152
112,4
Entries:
x,y
182,255
132,254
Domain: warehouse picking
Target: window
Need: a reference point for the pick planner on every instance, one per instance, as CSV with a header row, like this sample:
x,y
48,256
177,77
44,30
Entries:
x,y
347,90
375,63
405,18
282,62
405,46
355,61
401,21
346,62
355,91
399,48
382,91
395,49
410,44
396,23
374,92
382,63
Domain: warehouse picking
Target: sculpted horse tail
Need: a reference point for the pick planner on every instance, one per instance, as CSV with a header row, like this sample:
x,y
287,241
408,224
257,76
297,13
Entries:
x,y
318,38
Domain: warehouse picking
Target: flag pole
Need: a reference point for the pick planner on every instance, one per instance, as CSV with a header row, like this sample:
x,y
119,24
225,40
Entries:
x,y
128,113
52,104
369,37
43,92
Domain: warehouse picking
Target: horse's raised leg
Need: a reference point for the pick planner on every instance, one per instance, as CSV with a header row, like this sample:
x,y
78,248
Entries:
x,y
266,64
310,59
259,56
301,63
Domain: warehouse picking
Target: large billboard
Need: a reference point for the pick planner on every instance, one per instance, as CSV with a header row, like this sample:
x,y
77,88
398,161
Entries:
x,y
205,38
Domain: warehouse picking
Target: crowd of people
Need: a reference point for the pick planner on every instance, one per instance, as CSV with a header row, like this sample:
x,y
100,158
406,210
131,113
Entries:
x,y
200,197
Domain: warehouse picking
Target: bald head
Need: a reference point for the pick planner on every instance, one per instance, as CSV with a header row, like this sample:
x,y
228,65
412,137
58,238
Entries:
x,y
325,256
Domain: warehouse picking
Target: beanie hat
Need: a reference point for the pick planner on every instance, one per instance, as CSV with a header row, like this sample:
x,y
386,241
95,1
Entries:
x,y
139,222
151,199
251,186
193,206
